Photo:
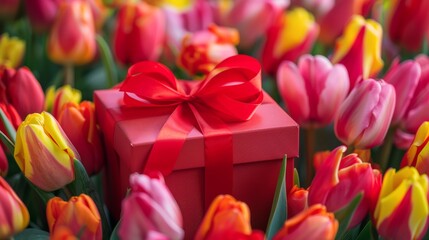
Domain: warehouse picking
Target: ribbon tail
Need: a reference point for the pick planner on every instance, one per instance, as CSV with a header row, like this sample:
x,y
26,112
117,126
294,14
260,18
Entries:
x,y
166,149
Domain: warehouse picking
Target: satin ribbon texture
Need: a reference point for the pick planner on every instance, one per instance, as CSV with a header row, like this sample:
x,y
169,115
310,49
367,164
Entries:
x,y
231,92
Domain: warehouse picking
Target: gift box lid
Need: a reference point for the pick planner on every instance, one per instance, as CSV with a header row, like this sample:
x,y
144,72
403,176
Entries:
x,y
268,135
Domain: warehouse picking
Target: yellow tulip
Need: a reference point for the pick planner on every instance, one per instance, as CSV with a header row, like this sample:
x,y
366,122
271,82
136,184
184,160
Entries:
x,y
11,51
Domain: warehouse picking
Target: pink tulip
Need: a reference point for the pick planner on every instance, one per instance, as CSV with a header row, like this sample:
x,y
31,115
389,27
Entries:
x,y
416,112
24,92
150,209
404,77
41,14
250,18
339,179
297,201
313,90
365,115
291,36
406,21
139,33
317,7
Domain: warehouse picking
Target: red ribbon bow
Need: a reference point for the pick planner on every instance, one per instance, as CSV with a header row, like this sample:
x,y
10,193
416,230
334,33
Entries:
x,y
231,92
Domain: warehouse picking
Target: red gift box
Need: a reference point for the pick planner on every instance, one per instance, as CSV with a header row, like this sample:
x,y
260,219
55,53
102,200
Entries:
x,y
258,147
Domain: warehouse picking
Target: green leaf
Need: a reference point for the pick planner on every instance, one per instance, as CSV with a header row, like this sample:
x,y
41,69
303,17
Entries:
x,y
32,233
296,178
278,213
108,62
366,232
7,142
114,235
344,215
10,130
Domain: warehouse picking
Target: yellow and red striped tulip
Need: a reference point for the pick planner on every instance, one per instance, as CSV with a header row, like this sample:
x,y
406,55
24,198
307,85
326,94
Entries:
x,y
402,209
78,123
14,216
77,217
139,33
291,36
418,153
43,152
337,173
314,223
359,49
72,37
227,218
201,51
11,51
56,99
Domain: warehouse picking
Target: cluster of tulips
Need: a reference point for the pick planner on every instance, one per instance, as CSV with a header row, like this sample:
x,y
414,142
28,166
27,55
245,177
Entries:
x,y
353,74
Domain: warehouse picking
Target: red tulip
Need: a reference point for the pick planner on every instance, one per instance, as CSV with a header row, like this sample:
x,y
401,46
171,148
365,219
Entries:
x,y
337,174
365,115
297,201
41,14
8,9
150,210
313,90
139,33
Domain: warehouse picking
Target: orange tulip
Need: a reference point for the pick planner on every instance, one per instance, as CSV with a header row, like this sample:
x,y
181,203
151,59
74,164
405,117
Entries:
x,y
78,123
314,223
227,218
14,215
72,38
78,216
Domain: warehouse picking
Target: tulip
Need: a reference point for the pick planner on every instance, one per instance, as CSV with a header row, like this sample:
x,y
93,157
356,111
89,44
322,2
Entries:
x,y
250,18
314,223
406,23
139,33
41,14
365,115
78,122
12,115
8,9
99,13
4,164
402,209
317,7
359,49
203,50
43,152
291,36
23,81
417,154
72,37
338,173
313,90
79,216
150,209
404,77
333,22
416,112
14,216
297,201
11,51
56,99
227,218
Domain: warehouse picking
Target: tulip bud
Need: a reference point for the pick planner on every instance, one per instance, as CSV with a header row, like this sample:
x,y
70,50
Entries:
x,y
150,208
12,116
418,153
314,223
14,214
359,49
79,217
227,217
41,14
43,152
250,18
139,33
406,21
78,122
313,90
291,36
297,201
23,81
72,38
336,174
11,51
365,115
55,100
402,209
203,50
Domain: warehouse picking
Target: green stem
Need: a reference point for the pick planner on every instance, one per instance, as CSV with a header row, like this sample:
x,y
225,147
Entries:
x,y
310,137
69,75
108,62
386,148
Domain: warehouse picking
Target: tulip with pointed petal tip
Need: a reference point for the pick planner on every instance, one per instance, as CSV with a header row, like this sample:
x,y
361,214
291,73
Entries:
x,y
417,154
